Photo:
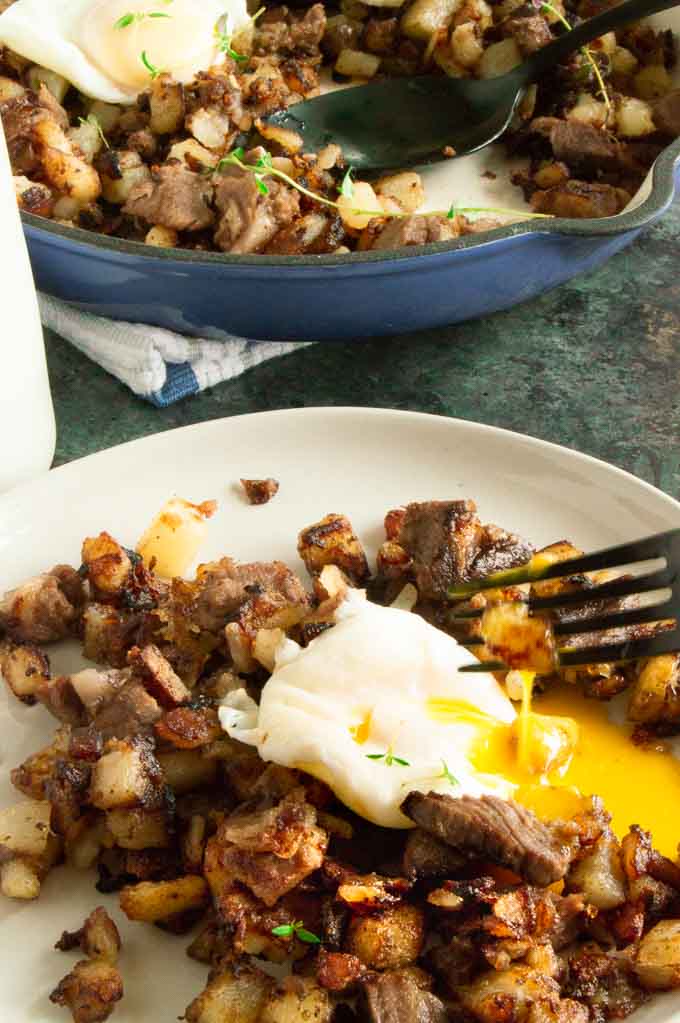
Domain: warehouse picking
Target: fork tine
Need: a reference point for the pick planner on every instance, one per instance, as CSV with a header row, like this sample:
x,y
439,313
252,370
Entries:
x,y
628,618
610,557
666,643
485,666
645,583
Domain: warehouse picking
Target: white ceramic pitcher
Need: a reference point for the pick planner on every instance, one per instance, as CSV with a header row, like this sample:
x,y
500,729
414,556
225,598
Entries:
x,y
27,428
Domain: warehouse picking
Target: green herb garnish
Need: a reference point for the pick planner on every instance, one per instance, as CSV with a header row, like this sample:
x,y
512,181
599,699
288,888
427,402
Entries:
x,y
547,8
224,38
264,168
347,185
130,17
151,68
125,20
296,930
446,774
389,758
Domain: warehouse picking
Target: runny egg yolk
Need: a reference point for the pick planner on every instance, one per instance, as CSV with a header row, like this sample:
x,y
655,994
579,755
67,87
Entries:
x,y
173,35
637,785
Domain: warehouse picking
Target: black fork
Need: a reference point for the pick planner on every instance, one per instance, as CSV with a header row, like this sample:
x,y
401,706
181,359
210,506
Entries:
x,y
662,584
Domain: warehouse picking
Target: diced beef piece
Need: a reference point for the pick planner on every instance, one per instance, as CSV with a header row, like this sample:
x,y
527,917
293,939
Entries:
x,y
530,34
604,983
313,233
396,998
499,551
260,491
249,220
580,199
418,229
98,937
426,856
666,113
43,609
143,142
225,586
443,539
175,197
341,33
158,676
282,32
19,118
494,828
269,851
585,148
380,35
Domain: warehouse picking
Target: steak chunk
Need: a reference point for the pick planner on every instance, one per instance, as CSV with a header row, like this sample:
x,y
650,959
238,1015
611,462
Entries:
x,y
417,229
494,828
580,199
426,856
443,539
248,220
585,148
396,998
44,608
225,586
175,197
530,33
666,113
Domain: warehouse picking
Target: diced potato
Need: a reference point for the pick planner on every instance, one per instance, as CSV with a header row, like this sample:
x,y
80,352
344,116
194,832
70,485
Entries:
x,y
600,875
184,770
128,170
90,990
387,940
175,535
604,44
161,237
87,139
623,61
10,89
296,999
332,541
57,84
655,693
120,778
405,188
653,81
156,900
24,669
98,937
466,45
107,114
193,154
18,880
634,117
499,58
357,63
518,989
289,140
385,3
237,994
266,643
25,828
210,127
138,829
657,963
63,168
425,17
166,103
588,110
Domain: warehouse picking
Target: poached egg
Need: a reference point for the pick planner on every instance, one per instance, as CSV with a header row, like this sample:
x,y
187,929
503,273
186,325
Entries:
x,y
106,48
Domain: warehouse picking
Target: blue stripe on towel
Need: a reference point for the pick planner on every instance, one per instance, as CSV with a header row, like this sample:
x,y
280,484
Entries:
x,y
179,382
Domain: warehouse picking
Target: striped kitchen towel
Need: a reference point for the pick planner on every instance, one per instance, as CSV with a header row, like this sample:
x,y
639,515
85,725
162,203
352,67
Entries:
x,y
157,364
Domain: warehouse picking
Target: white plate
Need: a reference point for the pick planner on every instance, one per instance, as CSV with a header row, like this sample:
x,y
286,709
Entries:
x,y
357,461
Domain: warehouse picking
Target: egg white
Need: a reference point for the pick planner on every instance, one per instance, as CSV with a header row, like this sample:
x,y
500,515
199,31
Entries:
x,y
377,668
51,33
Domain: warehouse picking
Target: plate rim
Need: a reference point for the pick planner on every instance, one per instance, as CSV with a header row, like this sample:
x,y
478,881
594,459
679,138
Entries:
x,y
662,192
340,412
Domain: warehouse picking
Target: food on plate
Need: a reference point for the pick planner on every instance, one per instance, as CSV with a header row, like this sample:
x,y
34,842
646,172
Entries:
x,y
174,537
260,491
149,123
301,776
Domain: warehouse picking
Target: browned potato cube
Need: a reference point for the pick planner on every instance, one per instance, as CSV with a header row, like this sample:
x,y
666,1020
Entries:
x,y
187,769
297,999
387,940
159,676
122,777
24,669
156,900
167,105
90,991
108,565
236,994
98,937
655,696
138,828
332,541
657,963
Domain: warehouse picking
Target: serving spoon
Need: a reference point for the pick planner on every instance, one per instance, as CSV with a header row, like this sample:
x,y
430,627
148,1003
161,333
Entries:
x,y
409,122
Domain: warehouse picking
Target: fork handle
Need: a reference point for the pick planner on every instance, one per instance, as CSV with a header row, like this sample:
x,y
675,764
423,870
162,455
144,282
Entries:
x,y
548,56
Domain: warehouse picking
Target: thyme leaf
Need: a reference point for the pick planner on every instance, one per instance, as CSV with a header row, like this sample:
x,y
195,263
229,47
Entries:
x,y
151,68
297,930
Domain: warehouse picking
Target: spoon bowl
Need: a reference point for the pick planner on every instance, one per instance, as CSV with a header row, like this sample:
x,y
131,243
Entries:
x,y
410,122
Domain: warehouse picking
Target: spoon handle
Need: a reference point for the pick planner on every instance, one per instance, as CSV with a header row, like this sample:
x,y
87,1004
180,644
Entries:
x,y
552,54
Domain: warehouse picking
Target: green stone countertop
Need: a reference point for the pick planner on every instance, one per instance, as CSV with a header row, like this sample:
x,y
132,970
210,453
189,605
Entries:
x,y
594,365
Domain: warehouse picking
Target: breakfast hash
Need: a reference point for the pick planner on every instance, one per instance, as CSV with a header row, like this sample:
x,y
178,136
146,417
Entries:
x,y
351,827
150,124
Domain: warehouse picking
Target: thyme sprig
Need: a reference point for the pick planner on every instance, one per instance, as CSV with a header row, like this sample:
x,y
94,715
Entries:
x,y
224,37
151,68
297,930
263,167
547,8
136,16
389,757
446,775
